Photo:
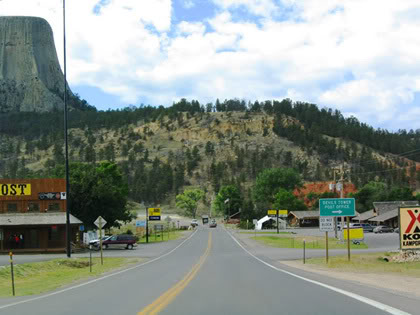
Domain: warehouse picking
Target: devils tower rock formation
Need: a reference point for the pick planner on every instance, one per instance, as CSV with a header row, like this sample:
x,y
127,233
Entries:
x,y
30,75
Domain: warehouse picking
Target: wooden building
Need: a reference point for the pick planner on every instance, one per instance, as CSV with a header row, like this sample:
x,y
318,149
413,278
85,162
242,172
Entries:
x,y
33,215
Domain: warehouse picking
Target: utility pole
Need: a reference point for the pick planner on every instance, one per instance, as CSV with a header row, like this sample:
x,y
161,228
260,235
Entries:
x,y
335,218
66,145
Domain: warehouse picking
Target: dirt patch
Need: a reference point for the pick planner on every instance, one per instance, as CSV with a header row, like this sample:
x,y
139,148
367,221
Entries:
x,y
404,284
74,263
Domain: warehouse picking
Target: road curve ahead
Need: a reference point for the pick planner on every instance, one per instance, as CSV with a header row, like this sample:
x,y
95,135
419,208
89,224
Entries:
x,y
210,273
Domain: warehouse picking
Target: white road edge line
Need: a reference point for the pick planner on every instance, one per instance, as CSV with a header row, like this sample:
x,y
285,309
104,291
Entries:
x,y
98,279
379,305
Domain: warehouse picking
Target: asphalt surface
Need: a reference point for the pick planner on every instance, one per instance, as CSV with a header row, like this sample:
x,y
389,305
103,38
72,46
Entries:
x,y
212,273
141,250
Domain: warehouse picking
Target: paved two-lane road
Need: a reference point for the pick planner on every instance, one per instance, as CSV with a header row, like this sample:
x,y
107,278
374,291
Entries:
x,y
210,273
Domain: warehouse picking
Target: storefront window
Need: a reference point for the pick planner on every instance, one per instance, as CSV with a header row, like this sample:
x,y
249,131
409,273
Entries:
x,y
33,207
12,207
53,234
53,207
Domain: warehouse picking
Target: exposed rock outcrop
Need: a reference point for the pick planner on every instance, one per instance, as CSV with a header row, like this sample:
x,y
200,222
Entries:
x,y
30,75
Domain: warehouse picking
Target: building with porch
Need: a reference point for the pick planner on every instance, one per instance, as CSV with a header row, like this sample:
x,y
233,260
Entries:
x,y
33,216
386,212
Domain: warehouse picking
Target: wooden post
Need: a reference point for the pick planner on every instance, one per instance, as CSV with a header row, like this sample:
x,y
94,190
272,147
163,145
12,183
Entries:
x,y
100,239
11,271
348,238
326,245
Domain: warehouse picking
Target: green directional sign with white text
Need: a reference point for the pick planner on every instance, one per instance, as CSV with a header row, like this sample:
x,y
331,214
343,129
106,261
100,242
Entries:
x,y
337,207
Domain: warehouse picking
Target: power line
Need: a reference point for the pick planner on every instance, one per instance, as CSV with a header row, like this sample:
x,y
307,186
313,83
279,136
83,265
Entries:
x,y
373,161
383,171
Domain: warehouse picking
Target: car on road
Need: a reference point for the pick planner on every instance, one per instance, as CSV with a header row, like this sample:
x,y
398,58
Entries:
x,y
118,241
95,243
383,229
213,223
194,222
367,227
397,230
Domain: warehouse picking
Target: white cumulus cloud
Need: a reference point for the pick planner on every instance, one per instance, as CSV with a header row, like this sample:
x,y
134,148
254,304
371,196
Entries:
x,y
359,56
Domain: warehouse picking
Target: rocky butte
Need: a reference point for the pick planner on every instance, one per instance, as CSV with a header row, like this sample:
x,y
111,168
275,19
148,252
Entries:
x,y
30,75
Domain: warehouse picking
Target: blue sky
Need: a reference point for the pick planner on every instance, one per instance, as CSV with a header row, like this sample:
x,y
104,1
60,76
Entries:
x,y
358,56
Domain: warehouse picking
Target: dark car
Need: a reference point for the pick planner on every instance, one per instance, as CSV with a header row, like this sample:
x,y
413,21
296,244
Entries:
x,y
119,241
383,229
367,227
213,223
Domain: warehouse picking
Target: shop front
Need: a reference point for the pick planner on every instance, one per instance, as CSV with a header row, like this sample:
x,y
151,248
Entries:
x,y
33,216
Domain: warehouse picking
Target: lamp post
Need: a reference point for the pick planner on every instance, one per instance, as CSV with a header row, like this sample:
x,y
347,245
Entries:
x,y
68,231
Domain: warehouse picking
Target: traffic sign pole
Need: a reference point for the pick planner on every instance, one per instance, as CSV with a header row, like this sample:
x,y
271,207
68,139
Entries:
x,y
326,246
100,240
277,215
348,238
147,225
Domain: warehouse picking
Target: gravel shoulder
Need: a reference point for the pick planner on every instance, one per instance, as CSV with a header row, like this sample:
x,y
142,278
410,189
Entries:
x,y
393,282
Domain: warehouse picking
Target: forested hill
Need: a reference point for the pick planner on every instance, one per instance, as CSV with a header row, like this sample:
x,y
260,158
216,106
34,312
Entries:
x,y
161,150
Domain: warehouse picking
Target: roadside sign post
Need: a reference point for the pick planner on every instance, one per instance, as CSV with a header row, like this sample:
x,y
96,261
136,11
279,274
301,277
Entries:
x,y
348,238
339,207
255,222
90,259
11,271
147,225
100,222
326,246
304,245
326,224
274,214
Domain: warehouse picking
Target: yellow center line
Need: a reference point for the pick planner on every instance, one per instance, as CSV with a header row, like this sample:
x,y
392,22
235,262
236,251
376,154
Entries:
x,y
161,302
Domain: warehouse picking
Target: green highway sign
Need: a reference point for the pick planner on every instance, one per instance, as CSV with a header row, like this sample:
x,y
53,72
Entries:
x,y
337,207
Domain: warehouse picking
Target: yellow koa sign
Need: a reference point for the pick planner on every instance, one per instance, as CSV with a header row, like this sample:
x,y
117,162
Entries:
x,y
15,189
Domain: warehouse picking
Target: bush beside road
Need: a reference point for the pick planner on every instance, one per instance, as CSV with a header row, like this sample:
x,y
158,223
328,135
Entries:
x,y
39,277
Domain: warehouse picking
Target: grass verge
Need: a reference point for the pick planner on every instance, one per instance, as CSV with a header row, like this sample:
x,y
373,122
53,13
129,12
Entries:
x,y
163,236
372,262
312,242
40,277
264,232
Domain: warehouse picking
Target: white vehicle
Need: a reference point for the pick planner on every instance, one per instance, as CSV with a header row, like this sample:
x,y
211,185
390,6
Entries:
x,y
194,222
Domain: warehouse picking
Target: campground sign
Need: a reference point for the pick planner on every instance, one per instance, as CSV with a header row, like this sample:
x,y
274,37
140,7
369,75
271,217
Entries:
x,y
154,214
337,207
409,228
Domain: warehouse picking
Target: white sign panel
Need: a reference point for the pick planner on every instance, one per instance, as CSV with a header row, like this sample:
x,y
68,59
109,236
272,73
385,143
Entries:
x,y
102,221
63,195
255,221
326,224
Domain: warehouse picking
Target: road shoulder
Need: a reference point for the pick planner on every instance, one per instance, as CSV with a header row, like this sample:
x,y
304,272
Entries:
x,y
390,282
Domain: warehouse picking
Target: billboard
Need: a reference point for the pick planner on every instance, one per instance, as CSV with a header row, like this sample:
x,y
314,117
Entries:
x,y
409,227
15,190
154,214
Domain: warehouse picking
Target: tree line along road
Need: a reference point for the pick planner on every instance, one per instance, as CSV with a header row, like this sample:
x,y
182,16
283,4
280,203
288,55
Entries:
x,y
211,272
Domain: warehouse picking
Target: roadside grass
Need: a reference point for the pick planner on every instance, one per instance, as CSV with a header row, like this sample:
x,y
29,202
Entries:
x,y
312,242
372,262
40,277
157,237
264,232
